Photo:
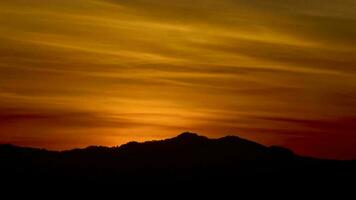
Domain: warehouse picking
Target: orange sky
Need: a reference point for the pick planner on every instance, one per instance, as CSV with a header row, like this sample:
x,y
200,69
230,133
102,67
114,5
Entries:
x,y
105,72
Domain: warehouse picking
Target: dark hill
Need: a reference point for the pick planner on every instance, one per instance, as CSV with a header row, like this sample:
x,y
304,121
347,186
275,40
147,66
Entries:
x,y
186,158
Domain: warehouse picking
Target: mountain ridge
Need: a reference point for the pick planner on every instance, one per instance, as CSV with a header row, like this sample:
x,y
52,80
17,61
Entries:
x,y
183,138
186,157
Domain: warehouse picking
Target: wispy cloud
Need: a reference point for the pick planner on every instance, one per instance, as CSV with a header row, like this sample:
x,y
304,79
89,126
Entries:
x,y
171,66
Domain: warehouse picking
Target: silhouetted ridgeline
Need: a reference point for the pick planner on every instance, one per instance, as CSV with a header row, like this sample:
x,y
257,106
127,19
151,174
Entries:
x,y
187,158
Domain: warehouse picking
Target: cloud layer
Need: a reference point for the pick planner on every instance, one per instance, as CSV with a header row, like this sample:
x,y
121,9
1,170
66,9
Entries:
x,y
109,71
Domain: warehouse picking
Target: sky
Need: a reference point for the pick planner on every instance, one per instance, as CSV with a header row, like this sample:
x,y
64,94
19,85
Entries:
x,y
106,72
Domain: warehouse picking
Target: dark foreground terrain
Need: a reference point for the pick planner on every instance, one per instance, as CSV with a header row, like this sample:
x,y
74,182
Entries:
x,y
185,159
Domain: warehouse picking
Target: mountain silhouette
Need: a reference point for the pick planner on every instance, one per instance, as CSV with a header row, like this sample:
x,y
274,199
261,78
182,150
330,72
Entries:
x,y
186,158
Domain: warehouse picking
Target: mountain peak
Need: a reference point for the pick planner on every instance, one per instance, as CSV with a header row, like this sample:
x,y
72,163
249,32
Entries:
x,y
189,136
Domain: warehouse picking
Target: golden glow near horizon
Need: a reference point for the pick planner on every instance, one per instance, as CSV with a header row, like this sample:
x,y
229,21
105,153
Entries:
x,y
75,73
